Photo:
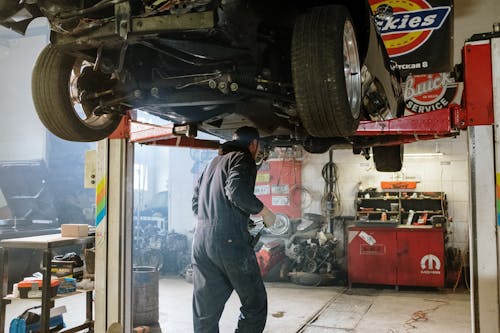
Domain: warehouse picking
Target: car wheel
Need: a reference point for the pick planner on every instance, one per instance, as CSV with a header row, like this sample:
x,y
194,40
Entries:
x,y
56,90
326,71
388,158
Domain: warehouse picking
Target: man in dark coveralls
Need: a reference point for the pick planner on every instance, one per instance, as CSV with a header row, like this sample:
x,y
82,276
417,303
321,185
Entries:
x,y
223,257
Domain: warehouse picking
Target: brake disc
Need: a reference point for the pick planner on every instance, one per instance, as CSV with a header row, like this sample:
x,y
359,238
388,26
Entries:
x,y
281,225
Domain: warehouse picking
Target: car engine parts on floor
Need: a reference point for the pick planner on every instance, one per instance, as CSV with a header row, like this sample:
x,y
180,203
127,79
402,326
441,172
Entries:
x,y
306,257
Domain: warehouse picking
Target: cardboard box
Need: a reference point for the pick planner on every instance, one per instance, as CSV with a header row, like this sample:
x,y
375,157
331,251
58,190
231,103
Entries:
x,y
74,230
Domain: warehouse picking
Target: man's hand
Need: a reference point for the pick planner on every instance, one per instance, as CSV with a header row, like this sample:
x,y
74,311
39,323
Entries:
x,y
267,216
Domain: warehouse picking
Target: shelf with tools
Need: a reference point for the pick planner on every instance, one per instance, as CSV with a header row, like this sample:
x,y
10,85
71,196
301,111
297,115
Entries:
x,y
376,207
45,288
422,208
410,208
12,297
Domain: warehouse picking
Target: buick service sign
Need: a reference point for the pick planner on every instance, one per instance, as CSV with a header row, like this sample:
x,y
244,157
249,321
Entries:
x,y
430,92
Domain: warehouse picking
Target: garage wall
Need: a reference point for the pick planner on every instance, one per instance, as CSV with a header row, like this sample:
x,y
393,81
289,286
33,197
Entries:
x,y
447,173
180,185
17,57
471,17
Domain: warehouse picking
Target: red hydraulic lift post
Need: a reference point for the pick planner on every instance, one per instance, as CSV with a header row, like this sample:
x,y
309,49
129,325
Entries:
x,y
481,60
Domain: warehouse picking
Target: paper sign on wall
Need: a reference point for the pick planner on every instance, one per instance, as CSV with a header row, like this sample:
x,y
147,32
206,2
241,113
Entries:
x,y
280,189
261,190
278,200
263,178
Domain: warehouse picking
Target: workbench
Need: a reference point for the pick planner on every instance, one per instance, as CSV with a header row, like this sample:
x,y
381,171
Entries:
x,y
45,243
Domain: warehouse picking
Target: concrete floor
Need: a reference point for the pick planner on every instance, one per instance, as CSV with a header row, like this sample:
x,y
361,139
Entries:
x,y
294,308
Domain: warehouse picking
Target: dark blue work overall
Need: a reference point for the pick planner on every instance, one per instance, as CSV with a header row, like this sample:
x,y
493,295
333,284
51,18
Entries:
x,y
223,259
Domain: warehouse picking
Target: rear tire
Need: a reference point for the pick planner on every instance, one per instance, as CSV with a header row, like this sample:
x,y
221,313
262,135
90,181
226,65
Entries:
x,y
326,72
53,102
388,158
316,146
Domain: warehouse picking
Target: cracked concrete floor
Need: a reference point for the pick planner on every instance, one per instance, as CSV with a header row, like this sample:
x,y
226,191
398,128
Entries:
x,y
294,308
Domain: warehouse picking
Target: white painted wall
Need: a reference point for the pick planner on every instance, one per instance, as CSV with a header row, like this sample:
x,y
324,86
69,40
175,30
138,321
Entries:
x,y
180,185
22,135
152,175
447,173
472,17
168,169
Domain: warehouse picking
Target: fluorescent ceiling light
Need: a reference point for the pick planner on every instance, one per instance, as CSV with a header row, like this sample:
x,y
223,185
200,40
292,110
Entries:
x,y
422,154
432,153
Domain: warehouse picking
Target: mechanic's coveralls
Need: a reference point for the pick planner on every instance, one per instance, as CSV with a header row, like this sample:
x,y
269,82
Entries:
x,y
223,258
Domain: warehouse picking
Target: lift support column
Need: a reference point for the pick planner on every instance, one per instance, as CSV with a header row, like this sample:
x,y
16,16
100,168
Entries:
x,y
113,266
483,73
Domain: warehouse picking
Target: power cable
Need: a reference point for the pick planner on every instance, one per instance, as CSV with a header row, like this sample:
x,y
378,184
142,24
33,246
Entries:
x,y
330,202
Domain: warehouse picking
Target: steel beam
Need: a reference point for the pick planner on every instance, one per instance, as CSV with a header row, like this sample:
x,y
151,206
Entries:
x,y
160,135
438,122
495,69
107,33
101,239
114,202
482,100
483,233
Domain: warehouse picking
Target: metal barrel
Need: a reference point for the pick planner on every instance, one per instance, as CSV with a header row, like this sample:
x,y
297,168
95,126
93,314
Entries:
x,y
145,281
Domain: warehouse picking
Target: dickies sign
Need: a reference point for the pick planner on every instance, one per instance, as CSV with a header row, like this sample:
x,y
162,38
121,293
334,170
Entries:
x,y
417,33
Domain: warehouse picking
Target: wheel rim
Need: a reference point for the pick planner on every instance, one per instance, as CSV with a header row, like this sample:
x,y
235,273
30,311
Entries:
x,y
85,113
352,69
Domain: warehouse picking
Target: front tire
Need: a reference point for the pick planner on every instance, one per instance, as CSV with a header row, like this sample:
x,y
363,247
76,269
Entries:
x,y
327,72
55,105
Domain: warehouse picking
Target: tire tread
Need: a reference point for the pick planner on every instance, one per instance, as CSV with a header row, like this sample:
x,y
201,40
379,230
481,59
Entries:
x,y
317,69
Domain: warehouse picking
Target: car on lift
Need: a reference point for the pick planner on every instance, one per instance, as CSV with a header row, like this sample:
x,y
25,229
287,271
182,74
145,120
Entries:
x,y
302,72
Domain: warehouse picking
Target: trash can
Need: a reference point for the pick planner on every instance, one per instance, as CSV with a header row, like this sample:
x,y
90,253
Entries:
x,y
145,282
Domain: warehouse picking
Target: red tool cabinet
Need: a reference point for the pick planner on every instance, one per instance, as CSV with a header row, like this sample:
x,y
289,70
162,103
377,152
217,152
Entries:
x,y
400,256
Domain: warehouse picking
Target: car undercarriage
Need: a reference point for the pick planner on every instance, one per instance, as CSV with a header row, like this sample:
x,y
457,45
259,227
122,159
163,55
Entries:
x,y
301,72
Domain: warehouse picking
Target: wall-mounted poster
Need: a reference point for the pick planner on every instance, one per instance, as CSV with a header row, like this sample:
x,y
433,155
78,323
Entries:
x,y
430,92
418,34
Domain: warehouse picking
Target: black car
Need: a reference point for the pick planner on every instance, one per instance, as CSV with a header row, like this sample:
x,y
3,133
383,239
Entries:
x,y
302,72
